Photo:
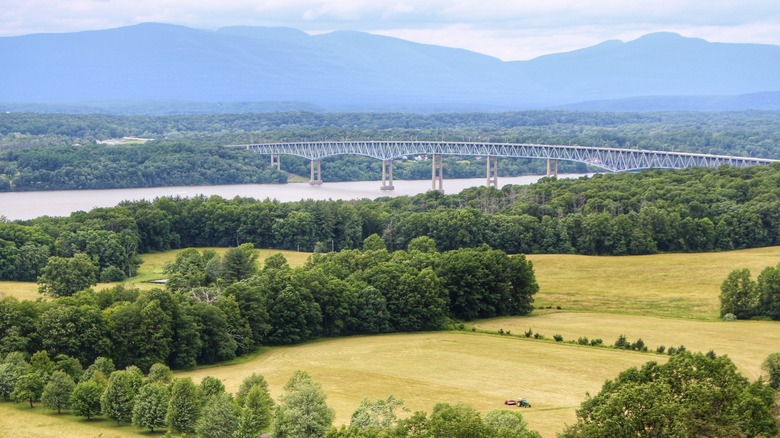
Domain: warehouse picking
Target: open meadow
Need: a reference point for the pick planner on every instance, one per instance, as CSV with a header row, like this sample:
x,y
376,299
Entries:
x,y
19,421
669,299
427,368
666,285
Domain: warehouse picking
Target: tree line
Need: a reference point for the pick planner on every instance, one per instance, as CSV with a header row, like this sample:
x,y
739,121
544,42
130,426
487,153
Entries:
x,y
215,308
689,210
741,297
207,410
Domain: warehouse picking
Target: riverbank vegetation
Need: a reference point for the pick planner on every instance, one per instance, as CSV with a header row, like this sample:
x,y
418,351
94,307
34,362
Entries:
x,y
690,210
67,151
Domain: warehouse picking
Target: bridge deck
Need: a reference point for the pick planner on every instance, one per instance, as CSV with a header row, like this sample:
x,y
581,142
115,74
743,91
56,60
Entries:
x,y
610,159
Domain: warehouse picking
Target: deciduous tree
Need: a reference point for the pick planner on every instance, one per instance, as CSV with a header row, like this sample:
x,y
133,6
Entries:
x,y
29,387
85,399
303,412
738,295
117,400
56,393
219,418
64,276
184,406
151,406
690,395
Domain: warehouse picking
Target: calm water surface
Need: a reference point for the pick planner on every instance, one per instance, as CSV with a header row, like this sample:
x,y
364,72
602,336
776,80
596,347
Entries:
x,y
28,205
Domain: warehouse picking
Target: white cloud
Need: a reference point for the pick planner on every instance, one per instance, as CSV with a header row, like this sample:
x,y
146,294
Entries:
x,y
508,29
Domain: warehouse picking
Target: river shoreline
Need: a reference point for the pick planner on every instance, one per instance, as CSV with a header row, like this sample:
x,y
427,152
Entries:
x,y
29,205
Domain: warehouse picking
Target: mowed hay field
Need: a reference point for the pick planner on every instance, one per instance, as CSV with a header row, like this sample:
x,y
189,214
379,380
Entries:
x,y
19,421
747,343
427,368
666,285
669,299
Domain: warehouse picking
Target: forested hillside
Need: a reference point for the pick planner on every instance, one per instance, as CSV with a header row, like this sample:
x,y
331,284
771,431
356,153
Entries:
x,y
59,151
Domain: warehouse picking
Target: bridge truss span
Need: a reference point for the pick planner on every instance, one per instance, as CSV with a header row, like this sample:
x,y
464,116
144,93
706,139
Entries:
x,y
609,159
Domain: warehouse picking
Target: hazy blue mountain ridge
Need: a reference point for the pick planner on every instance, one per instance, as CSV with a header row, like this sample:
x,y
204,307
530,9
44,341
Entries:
x,y
360,71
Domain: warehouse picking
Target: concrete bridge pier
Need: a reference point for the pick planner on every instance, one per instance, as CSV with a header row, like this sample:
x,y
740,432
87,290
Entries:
x,y
437,177
276,161
316,173
552,167
492,171
387,175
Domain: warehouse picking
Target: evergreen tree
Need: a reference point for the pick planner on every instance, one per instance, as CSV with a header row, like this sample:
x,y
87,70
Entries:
x,y
117,400
151,406
239,263
56,393
85,399
184,406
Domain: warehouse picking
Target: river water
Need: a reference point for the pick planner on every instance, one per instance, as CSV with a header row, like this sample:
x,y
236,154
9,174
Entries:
x,y
29,205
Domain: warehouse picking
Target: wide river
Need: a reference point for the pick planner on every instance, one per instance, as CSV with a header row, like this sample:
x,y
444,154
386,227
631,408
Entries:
x,y
29,205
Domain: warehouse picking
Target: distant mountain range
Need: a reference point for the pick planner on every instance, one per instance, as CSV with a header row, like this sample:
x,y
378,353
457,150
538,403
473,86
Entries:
x,y
271,68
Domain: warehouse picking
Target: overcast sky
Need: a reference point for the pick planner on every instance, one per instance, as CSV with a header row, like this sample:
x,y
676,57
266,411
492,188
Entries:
x,y
507,29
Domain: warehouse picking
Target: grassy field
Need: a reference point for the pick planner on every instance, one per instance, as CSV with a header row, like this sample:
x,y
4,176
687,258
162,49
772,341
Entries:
x,y
747,343
666,285
669,300
19,289
427,368
19,421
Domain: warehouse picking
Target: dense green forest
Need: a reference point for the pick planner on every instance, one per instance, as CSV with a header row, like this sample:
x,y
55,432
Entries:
x,y
690,210
60,151
215,308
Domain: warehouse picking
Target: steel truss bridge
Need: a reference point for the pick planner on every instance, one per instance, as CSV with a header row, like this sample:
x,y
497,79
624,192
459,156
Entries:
x,y
610,159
